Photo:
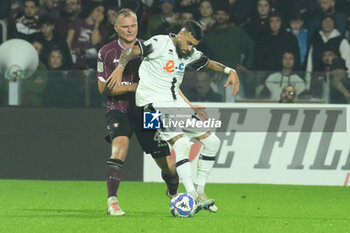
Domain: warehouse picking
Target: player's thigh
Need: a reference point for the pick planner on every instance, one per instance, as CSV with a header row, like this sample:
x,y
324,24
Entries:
x,y
166,164
119,132
152,143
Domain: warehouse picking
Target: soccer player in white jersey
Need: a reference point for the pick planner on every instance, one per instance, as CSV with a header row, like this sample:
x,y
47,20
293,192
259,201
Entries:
x,y
161,73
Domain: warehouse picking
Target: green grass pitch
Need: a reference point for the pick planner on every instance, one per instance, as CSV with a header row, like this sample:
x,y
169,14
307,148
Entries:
x,y
80,206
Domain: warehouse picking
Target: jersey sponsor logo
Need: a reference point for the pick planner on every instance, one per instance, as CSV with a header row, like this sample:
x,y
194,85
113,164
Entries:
x,y
100,66
170,66
151,120
181,66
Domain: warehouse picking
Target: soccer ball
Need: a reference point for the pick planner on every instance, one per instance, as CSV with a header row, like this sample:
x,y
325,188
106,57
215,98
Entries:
x,y
183,205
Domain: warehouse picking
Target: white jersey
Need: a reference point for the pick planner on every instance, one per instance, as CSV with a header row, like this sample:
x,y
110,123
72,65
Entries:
x,y
161,72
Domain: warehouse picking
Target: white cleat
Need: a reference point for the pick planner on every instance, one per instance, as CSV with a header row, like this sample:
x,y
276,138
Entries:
x,y
212,208
203,202
113,208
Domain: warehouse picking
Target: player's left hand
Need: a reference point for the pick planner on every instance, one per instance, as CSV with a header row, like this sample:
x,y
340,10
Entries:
x,y
200,112
234,80
115,78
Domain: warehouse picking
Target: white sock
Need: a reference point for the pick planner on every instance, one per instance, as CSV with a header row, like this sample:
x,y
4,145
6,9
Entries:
x,y
183,166
206,161
185,175
204,168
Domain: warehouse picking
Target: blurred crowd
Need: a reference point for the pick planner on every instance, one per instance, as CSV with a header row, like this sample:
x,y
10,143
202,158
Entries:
x,y
283,37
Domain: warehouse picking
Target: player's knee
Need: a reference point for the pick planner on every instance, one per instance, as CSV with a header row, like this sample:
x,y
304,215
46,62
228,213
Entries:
x,y
181,148
211,145
120,147
119,152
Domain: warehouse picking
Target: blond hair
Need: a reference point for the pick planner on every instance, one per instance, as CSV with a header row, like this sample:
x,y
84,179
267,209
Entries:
x,y
125,12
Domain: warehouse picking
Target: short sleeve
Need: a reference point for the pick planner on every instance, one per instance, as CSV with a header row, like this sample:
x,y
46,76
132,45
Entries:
x,y
198,60
154,45
104,65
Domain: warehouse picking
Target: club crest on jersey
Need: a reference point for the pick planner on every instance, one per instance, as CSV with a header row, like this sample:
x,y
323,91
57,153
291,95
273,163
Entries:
x,y
151,120
170,67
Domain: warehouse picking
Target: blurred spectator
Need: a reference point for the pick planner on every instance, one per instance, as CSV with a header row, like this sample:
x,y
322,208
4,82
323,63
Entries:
x,y
289,8
270,46
111,18
39,49
63,87
260,21
327,7
34,86
340,84
202,91
174,26
240,11
327,57
276,81
70,12
206,15
288,95
16,8
186,3
328,37
148,3
27,25
296,24
228,43
55,60
50,7
166,15
85,35
50,40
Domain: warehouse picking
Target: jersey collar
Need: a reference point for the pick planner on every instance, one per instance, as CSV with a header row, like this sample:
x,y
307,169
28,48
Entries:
x,y
120,44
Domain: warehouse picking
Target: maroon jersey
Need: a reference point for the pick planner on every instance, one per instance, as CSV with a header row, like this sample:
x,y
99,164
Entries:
x,y
108,58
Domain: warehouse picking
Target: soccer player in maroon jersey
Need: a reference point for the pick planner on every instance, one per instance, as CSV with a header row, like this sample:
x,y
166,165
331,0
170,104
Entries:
x,y
122,117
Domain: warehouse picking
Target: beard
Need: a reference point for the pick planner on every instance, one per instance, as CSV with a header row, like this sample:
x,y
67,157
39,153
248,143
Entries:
x,y
179,52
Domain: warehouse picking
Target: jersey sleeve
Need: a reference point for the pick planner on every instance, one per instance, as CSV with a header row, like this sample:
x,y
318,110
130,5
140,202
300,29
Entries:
x,y
104,65
152,48
198,60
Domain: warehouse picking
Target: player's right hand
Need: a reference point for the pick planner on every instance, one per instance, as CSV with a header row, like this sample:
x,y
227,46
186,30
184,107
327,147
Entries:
x,y
199,110
115,78
234,81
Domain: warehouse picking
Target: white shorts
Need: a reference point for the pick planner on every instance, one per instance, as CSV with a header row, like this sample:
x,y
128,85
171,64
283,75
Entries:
x,y
173,113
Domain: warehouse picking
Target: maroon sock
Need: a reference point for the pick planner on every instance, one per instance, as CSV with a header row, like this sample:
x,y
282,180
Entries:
x,y
172,182
113,175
